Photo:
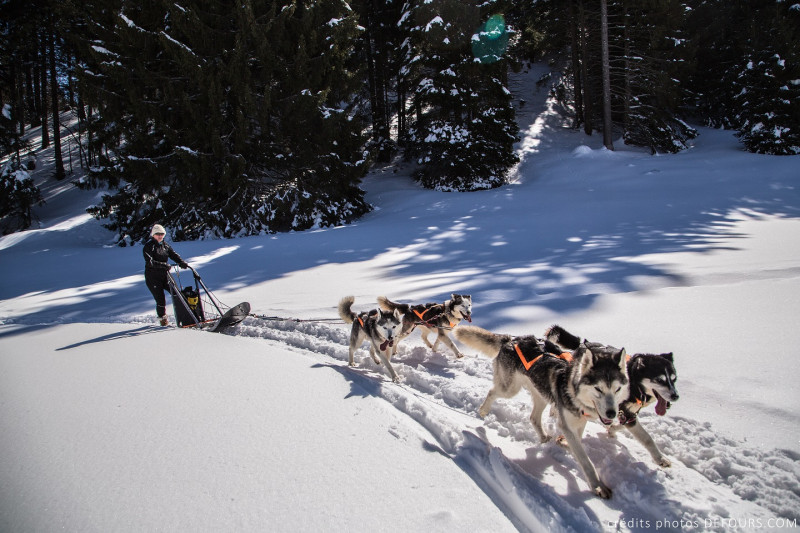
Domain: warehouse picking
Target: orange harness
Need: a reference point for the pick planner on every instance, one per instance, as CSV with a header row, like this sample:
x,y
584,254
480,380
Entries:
x,y
566,356
421,317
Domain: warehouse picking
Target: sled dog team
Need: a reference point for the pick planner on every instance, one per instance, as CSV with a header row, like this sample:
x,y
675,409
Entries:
x,y
580,380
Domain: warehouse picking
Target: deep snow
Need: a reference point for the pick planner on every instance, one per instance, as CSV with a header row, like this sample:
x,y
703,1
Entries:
x,y
110,423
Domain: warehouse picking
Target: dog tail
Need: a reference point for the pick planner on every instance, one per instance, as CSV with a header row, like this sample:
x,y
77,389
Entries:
x,y
486,342
344,309
563,338
387,305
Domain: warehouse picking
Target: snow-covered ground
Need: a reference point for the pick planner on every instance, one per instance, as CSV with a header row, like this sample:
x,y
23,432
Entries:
x,y
110,423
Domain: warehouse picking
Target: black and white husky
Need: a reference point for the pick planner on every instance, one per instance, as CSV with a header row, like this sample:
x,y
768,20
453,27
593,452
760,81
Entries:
x,y
652,379
587,384
431,317
379,327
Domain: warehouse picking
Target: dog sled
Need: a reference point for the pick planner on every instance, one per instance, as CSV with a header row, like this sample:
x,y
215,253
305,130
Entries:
x,y
196,307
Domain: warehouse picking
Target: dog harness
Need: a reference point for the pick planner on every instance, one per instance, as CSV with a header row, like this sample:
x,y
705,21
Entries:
x,y
566,356
422,314
425,321
428,322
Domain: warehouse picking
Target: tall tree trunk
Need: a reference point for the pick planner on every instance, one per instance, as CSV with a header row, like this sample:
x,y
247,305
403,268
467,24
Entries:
x,y
607,140
17,101
37,95
43,106
15,109
402,117
376,68
628,70
81,130
30,106
587,102
60,174
576,64
70,77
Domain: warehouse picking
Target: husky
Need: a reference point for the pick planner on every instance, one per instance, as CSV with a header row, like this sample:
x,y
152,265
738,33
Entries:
x,y
652,379
379,327
432,317
588,383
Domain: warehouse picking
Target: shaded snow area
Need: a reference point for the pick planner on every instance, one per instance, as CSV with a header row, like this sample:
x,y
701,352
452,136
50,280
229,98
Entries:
x,y
112,423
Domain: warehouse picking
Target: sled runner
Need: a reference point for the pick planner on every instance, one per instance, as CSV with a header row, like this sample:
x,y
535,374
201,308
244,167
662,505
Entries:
x,y
195,306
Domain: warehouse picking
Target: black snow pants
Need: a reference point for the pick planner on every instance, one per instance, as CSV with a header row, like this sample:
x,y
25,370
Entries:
x,y
156,281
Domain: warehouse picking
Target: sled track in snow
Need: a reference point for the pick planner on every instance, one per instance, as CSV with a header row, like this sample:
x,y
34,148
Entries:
x,y
539,486
429,395
443,394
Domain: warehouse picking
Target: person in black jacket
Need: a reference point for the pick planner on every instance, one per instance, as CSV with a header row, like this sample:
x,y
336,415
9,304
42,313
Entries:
x,y
157,253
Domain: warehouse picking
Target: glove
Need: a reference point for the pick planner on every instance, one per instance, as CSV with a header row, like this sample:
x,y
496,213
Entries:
x,y
183,264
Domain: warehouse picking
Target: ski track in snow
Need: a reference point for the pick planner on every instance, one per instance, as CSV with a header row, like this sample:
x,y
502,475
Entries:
x,y
502,453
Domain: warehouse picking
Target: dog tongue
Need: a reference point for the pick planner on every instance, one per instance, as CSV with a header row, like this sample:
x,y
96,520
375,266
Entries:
x,y
661,406
385,344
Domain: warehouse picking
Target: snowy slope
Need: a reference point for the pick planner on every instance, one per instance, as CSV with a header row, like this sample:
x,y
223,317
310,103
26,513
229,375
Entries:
x,y
114,424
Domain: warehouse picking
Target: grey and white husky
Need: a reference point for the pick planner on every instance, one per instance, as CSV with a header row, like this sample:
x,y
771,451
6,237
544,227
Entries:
x,y
652,379
431,317
589,383
379,327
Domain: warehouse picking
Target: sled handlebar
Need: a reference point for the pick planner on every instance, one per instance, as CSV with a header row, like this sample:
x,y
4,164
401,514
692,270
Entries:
x,y
196,274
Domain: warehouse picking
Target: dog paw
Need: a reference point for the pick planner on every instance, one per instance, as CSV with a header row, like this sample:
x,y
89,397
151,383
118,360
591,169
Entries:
x,y
546,438
664,462
483,413
603,491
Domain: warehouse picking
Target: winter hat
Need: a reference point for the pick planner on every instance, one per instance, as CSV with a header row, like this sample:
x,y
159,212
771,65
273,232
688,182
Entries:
x,y
157,228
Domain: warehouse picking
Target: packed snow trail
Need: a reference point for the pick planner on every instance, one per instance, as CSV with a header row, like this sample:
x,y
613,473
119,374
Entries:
x,y
539,486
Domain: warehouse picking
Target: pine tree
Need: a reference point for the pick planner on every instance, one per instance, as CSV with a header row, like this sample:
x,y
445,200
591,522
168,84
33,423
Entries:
x,y
715,29
18,51
234,116
464,125
379,45
60,174
18,196
767,83
654,59
647,55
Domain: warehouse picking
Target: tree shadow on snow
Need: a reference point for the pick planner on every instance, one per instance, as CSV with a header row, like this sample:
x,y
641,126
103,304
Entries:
x,y
573,227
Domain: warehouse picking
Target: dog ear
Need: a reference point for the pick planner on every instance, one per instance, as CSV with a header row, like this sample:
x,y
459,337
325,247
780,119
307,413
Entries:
x,y
397,314
668,357
621,358
585,356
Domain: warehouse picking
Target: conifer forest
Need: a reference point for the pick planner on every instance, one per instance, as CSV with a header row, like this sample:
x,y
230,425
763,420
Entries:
x,y
259,116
